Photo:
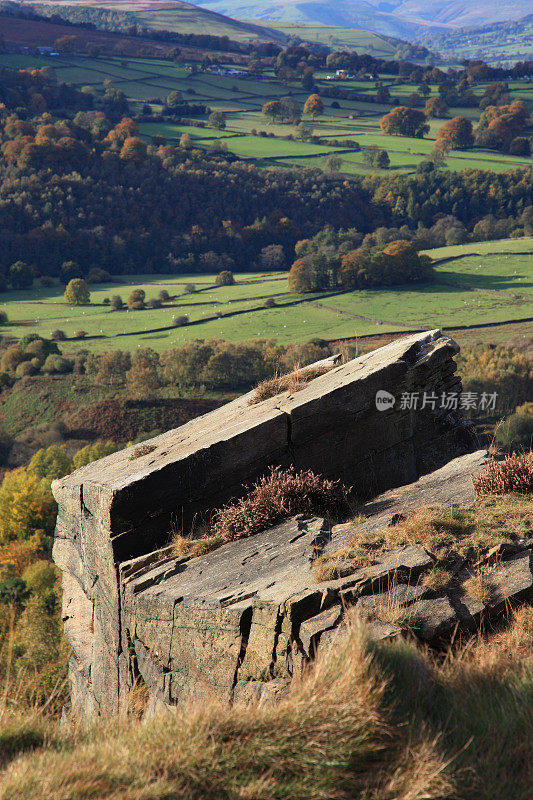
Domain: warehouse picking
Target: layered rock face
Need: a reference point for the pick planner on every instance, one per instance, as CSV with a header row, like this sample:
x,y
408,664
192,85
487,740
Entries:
x,y
204,625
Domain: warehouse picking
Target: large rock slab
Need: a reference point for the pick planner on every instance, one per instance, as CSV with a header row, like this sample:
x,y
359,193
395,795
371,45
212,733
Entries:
x,y
126,505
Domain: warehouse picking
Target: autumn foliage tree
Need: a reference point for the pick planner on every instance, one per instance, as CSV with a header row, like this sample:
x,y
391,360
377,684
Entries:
x,y
436,108
143,378
314,106
77,292
135,301
225,278
133,149
404,121
27,508
500,125
303,276
123,130
398,263
458,132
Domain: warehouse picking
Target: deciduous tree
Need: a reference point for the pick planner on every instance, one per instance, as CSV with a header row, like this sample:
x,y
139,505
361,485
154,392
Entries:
x,y
458,132
314,106
77,292
404,121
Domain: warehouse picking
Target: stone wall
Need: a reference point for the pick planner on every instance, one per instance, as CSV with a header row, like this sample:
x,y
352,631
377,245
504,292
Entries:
x,y
116,514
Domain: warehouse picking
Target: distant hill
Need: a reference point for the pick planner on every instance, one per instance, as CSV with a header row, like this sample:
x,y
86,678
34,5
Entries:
x,y
186,18
403,18
496,42
173,15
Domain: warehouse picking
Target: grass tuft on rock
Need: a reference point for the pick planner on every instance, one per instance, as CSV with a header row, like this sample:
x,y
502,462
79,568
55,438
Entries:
x,y
445,532
291,382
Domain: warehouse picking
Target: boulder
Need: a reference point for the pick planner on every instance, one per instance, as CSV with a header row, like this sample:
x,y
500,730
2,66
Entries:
x,y
191,627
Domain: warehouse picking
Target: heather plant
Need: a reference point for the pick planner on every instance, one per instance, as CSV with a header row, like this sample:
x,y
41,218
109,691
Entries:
x,y
512,475
279,494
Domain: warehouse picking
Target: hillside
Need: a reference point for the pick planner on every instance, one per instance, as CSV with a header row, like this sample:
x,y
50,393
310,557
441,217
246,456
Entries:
x,y
495,42
174,15
398,18
340,38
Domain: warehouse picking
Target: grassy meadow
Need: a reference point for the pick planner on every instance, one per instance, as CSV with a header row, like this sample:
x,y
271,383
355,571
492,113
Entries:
x,y
475,284
150,80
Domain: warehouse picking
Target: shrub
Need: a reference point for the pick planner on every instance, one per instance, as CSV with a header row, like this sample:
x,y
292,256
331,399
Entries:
x,y
225,278
57,365
41,577
190,288
58,336
517,430
80,334
513,474
278,495
24,369
163,296
11,358
178,322
3,318
34,345
97,275
5,380
153,302
270,302
116,303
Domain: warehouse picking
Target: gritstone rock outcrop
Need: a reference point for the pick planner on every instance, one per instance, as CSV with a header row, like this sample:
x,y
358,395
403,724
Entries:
x,y
243,619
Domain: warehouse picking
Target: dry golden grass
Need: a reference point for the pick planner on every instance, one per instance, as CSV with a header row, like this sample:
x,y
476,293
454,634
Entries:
x,y
185,546
291,382
437,578
478,589
394,614
325,740
468,532
370,720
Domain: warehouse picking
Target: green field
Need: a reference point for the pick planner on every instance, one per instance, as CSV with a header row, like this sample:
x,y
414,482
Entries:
x,y
150,80
481,283
340,38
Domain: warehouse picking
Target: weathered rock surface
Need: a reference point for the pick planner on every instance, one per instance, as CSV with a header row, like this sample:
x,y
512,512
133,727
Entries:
x,y
239,622
209,624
